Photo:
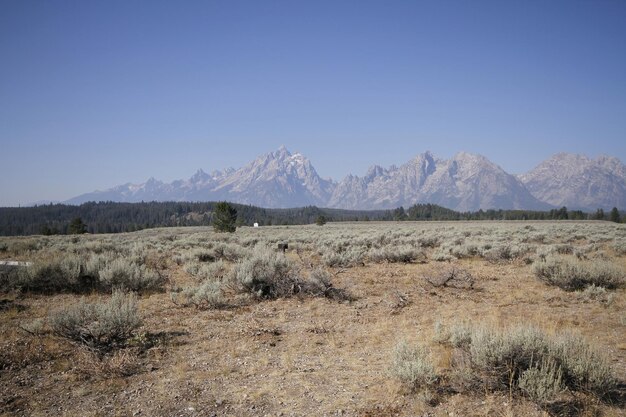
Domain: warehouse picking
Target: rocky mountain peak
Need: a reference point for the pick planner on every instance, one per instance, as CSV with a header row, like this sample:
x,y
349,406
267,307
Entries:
x,y
281,153
200,176
464,182
373,172
578,182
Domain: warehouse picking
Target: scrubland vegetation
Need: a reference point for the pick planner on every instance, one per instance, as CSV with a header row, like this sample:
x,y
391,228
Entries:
x,y
367,319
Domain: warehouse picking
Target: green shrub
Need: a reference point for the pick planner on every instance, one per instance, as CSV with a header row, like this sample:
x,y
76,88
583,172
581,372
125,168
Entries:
x,y
266,274
207,295
542,383
97,262
343,258
466,250
460,335
584,368
192,268
429,241
225,251
99,326
319,284
619,246
593,293
390,253
213,271
121,273
501,357
58,274
78,273
572,274
505,252
413,366
442,255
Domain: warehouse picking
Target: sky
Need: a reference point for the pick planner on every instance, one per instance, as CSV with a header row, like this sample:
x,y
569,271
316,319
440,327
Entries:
x,y
95,94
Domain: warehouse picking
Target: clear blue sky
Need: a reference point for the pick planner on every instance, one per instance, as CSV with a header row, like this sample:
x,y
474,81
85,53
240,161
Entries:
x,y
98,93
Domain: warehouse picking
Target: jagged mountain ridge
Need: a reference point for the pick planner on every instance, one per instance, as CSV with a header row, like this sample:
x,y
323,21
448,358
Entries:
x,y
466,182
578,182
277,180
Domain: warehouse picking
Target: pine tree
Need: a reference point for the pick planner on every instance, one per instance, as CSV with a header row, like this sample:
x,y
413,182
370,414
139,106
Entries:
x,y
224,217
321,220
77,227
614,216
599,214
399,214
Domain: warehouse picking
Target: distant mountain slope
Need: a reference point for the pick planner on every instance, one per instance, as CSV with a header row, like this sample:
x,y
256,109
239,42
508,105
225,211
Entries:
x,y
466,182
577,181
277,179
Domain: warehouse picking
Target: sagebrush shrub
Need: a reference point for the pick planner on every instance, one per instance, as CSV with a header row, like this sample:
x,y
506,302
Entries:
x,y
209,294
99,326
121,273
80,272
442,254
212,271
390,253
542,383
58,274
593,293
266,274
413,366
226,251
319,284
584,368
344,258
501,357
573,274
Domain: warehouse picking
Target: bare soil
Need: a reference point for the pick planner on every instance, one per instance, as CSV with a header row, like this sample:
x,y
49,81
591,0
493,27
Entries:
x,y
296,356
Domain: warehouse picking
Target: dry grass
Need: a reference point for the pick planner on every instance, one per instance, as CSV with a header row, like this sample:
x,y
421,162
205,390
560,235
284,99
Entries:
x,y
308,355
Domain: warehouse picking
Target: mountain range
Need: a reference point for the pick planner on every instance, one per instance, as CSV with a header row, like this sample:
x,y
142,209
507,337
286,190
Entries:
x,y
465,182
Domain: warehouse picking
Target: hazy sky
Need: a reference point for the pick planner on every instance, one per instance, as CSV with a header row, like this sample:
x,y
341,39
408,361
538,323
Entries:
x,y
98,93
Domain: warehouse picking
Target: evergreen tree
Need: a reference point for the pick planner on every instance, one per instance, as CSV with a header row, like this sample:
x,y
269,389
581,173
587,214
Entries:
x,y
614,216
77,227
224,217
399,214
321,220
599,214
576,215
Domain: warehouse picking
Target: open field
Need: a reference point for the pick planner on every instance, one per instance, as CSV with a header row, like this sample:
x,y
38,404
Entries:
x,y
228,325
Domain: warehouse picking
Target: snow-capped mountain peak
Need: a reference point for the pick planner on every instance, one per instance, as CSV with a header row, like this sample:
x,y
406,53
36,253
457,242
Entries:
x,y
464,182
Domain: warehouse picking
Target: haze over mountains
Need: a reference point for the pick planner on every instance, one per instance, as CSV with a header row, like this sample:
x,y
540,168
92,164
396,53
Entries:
x,y
466,182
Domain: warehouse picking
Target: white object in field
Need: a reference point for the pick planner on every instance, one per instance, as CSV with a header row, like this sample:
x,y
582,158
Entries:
x,y
256,225
15,263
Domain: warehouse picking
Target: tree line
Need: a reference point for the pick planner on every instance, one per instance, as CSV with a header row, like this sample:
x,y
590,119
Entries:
x,y
112,217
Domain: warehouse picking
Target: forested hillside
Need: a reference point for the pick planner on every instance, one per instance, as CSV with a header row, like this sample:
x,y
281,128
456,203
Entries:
x,y
110,217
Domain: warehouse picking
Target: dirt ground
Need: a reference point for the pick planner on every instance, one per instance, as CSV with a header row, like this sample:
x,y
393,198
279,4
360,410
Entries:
x,y
298,356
